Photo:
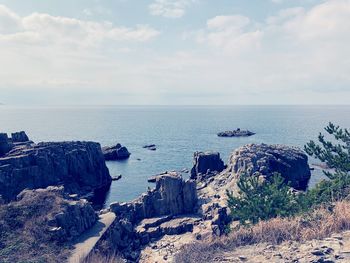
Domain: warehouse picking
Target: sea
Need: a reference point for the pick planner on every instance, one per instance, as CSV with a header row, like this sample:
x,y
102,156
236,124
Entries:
x,y
177,132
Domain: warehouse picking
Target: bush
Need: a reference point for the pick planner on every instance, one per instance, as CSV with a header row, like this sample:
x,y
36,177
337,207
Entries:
x,y
262,199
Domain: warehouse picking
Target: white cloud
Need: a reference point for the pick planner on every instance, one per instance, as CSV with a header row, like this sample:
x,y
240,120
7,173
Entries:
x,y
229,33
169,8
46,29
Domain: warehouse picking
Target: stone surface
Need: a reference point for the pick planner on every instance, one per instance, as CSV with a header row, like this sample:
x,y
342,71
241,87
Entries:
x,y
117,152
69,218
172,196
206,162
5,144
263,159
19,137
236,133
79,166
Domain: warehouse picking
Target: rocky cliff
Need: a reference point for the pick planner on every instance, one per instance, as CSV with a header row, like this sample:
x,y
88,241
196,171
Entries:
x,y
290,162
78,166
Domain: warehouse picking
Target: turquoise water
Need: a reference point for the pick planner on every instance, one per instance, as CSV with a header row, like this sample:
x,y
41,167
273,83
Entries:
x,y
177,132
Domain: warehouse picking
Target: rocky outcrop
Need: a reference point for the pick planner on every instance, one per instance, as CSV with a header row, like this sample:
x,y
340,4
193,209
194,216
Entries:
x,y
172,196
117,152
79,166
263,159
5,144
69,218
151,147
157,212
236,133
19,137
205,163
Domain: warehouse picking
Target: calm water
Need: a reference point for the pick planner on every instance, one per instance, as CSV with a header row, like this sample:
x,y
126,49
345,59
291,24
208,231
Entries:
x,y
177,132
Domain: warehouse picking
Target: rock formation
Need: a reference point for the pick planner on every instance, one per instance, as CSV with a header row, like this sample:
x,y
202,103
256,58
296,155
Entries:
x,y
19,137
158,212
70,217
5,144
206,162
236,133
117,152
290,162
79,166
151,147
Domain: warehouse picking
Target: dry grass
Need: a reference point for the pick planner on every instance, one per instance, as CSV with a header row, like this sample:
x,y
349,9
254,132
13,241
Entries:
x,y
318,224
23,230
101,258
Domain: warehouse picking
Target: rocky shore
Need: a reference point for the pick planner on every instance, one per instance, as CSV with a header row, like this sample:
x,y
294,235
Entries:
x,y
153,227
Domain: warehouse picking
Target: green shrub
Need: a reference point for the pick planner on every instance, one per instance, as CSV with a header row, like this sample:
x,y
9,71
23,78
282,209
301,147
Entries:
x,y
262,199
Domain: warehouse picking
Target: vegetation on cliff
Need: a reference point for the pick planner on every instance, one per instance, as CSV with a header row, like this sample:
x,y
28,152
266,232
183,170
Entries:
x,y
270,211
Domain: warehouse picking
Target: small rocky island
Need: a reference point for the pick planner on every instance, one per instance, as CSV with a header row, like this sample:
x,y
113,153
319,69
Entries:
x,y
236,133
117,152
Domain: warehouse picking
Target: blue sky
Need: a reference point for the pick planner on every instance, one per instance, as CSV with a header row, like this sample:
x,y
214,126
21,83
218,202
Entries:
x,y
174,52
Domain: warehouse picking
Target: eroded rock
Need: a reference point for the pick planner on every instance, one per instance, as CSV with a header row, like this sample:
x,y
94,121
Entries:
x,y
117,152
206,162
263,159
79,166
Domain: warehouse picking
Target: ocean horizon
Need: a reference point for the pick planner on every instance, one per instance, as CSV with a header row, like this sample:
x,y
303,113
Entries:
x,y
177,132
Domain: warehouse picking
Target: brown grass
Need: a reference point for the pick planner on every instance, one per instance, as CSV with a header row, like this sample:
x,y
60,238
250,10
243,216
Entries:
x,y
103,258
319,224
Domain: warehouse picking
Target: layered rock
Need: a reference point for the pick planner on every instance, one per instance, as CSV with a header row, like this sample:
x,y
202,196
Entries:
x,y
5,144
236,133
172,196
68,218
19,137
206,162
79,166
117,152
263,159
156,213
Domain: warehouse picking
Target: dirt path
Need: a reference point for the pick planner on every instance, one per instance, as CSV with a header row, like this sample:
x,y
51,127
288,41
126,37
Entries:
x,y
86,242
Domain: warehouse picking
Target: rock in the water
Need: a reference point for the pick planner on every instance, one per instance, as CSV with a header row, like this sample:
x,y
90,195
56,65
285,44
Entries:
x,y
290,162
79,166
205,162
151,147
117,152
236,133
116,178
19,137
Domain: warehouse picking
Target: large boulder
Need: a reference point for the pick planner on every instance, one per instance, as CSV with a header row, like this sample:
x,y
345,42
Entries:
x,y
79,166
206,162
263,159
117,152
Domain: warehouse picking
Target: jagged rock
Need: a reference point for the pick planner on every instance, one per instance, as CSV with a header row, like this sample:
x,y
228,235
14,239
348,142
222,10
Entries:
x,y
79,166
236,133
290,162
172,196
206,162
19,137
117,152
68,218
5,144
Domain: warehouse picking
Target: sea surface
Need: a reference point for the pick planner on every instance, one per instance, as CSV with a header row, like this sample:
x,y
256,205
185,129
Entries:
x,y
178,131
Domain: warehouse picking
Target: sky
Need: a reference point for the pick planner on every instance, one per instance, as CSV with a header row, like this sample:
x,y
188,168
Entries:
x,y
174,52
